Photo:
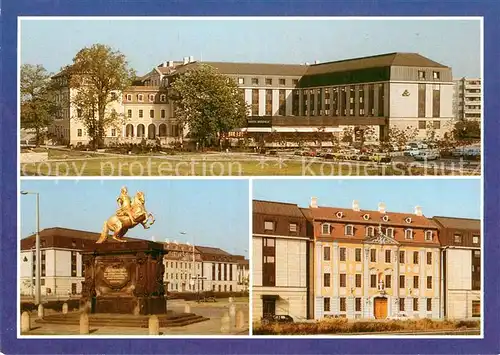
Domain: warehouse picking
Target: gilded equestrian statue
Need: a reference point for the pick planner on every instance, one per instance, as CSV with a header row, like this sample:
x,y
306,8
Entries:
x,y
129,214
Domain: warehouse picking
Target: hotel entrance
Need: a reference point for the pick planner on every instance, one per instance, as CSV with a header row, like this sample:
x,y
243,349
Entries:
x,y
380,307
269,305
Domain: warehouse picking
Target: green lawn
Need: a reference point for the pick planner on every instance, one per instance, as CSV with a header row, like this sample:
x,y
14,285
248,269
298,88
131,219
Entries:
x,y
83,164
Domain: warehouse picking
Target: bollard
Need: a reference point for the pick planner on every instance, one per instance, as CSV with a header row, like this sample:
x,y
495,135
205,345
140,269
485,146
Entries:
x,y
25,322
230,300
65,308
84,323
240,320
187,308
224,323
40,311
154,325
232,312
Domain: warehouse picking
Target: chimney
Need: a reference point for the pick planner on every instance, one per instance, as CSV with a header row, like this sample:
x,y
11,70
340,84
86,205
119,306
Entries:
x,y
191,59
355,206
164,64
170,63
316,62
153,239
418,211
185,60
381,207
167,240
314,202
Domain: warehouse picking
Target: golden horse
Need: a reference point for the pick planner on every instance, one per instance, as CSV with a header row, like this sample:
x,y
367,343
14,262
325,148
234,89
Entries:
x,y
119,225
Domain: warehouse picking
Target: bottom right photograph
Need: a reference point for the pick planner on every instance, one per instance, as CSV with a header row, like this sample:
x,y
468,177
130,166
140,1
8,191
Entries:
x,y
367,257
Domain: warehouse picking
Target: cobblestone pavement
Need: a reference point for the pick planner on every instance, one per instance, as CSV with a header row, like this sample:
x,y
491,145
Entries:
x,y
210,327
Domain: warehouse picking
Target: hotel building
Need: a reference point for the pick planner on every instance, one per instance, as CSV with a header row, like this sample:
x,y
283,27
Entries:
x,y
382,91
280,261
461,272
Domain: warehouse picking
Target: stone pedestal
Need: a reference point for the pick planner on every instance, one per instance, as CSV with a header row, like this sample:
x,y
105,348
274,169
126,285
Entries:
x,y
124,278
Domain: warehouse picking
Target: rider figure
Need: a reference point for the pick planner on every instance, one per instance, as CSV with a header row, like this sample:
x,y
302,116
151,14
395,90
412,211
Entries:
x,y
124,203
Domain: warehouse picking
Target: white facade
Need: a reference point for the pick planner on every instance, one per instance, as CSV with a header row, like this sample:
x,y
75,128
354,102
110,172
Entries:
x,y
60,277
220,276
403,107
460,297
290,287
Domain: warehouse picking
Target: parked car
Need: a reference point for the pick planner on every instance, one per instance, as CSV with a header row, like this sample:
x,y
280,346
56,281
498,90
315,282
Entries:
x,y
276,318
426,156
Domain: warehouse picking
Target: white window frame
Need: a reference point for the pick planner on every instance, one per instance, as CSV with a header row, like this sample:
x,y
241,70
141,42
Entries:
x,y
294,229
387,232
370,231
241,81
151,97
163,98
140,97
266,225
323,228
352,229
129,97
475,239
411,234
428,235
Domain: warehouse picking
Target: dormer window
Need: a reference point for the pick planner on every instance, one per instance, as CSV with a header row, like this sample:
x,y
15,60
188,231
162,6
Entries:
x,y
349,230
408,233
366,217
163,98
293,227
268,225
140,98
151,98
325,229
339,214
129,97
370,231
408,220
385,218
428,236
389,232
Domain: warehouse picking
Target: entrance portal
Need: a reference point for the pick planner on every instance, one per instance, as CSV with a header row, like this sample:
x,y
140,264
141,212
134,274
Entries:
x,y
380,307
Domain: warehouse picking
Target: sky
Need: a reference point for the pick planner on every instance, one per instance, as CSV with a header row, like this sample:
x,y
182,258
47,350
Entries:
x,y
147,43
210,212
437,197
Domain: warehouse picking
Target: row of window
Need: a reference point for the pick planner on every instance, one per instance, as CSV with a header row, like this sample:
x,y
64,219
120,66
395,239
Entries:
x,y
326,229
373,255
151,97
358,304
151,113
269,226
79,132
381,285
429,124
182,265
422,75
175,287
267,81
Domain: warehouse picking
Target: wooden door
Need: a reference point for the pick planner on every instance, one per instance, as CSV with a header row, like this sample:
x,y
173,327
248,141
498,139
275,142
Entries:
x,y
380,308
269,307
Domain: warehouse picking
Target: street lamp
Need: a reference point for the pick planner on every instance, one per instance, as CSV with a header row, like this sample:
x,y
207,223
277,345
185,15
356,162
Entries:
x,y
191,282
37,245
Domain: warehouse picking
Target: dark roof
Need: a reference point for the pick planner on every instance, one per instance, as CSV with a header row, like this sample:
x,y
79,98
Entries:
x,y
276,208
67,233
211,250
250,68
376,61
458,223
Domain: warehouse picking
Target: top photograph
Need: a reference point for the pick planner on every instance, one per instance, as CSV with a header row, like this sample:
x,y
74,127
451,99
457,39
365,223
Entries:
x,y
247,96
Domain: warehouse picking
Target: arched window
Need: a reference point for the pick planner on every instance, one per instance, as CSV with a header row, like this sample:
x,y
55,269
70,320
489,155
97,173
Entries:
x,y
151,131
129,130
162,130
140,130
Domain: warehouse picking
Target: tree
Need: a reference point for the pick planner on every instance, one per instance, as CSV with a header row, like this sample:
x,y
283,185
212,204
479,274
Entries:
x,y
208,103
348,135
37,105
467,131
99,74
400,138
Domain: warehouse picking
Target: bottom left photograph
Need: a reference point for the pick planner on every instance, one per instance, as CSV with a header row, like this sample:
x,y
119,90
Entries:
x,y
133,257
